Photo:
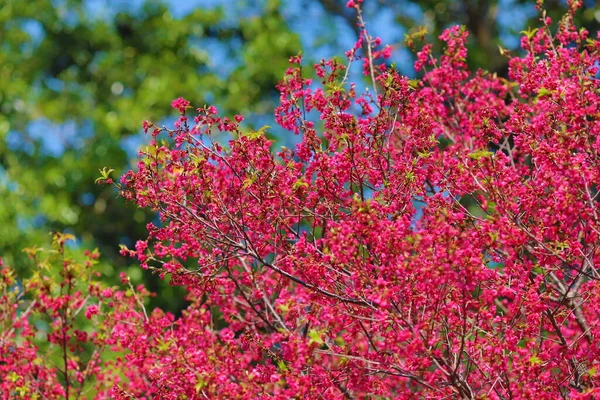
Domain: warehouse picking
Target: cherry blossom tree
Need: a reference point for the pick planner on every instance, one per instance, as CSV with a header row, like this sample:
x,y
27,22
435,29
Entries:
x,y
430,238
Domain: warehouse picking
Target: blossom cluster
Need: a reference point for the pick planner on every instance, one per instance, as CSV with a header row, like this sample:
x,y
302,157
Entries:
x,y
61,328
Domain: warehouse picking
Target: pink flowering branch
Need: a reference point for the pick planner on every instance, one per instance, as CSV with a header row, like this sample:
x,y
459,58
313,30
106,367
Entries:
x,y
442,244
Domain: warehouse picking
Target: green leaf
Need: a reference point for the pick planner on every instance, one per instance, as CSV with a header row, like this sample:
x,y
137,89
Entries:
x,y
13,377
253,135
479,154
298,184
535,360
104,174
314,336
196,159
419,34
491,207
560,246
282,366
529,32
283,308
413,83
200,383
247,183
545,92
334,87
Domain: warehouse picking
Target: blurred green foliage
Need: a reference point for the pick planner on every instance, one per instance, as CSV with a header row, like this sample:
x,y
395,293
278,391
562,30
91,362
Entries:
x,y
77,81
82,83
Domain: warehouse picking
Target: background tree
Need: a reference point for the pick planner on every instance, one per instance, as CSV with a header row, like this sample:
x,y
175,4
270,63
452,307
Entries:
x,y
76,82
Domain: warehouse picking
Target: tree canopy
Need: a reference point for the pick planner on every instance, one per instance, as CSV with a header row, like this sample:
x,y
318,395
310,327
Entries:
x,y
432,237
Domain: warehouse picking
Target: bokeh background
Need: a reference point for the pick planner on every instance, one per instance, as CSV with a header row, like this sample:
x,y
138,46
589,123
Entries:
x,y
78,77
